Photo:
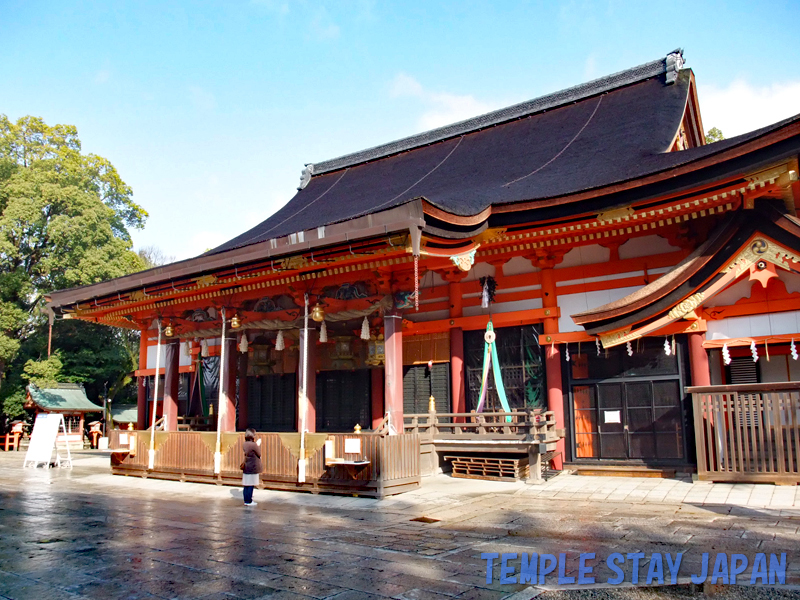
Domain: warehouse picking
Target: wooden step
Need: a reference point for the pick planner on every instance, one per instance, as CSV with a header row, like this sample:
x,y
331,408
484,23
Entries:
x,y
622,470
490,468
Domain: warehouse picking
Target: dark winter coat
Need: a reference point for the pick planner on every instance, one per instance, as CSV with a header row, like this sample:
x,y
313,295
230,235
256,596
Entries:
x,y
252,458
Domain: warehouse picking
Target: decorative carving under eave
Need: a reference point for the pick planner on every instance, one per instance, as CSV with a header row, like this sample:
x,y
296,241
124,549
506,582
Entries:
x,y
206,280
294,262
616,214
464,261
137,295
761,249
686,307
404,300
200,316
616,337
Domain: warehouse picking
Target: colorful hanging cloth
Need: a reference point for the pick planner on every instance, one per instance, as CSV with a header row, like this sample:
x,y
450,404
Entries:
x,y
490,358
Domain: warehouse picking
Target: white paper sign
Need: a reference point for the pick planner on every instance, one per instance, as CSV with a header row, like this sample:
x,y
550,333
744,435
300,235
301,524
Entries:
x,y
43,438
123,439
612,416
352,446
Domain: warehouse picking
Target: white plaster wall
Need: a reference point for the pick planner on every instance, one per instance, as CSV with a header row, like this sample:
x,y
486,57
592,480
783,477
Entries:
x,y
518,266
183,360
731,294
503,307
785,323
647,245
585,255
792,280
430,279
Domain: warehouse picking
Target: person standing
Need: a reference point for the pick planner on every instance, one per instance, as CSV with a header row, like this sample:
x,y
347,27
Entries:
x,y
251,466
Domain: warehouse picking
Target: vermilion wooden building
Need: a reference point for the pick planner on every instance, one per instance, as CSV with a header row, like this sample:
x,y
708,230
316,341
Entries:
x,y
624,250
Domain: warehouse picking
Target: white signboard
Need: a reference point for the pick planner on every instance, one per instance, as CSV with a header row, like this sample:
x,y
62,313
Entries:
x,y
352,446
612,416
44,439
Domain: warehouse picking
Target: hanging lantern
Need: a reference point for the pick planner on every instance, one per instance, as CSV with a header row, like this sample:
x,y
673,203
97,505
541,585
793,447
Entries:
x,y
235,322
168,331
754,351
365,329
279,343
204,348
243,343
726,354
317,314
323,333
794,350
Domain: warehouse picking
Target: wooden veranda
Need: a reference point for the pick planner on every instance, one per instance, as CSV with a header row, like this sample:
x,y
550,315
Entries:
x,y
748,433
383,466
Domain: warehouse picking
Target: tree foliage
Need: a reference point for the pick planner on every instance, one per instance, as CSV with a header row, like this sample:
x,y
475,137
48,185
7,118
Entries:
x,y
714,135
65,218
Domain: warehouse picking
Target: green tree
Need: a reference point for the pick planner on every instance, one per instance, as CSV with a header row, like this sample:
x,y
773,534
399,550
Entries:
x,y
64,222
714,135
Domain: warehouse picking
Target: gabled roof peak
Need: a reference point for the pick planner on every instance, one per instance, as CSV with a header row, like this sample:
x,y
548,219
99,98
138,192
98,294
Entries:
x,y
669,65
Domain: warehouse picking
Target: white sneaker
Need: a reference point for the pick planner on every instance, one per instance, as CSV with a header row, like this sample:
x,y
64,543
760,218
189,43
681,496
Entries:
x,y
251,504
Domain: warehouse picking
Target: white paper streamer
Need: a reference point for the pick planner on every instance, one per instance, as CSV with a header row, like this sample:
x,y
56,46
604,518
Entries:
x,y
726,354
279,343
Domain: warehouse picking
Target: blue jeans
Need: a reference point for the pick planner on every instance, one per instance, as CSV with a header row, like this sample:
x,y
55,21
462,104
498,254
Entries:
x,y
248,494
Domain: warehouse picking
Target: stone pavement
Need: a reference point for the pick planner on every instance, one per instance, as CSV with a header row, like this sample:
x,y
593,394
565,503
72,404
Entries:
x,y
83,533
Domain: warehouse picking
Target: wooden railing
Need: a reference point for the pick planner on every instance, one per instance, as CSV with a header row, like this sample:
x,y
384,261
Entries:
x,y
388,464
522,425
748,432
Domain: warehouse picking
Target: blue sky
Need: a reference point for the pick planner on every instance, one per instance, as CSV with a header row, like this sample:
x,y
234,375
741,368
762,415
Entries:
x,y
210,109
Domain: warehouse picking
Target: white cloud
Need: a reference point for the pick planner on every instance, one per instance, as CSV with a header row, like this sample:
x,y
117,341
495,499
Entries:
x,y
440,108
742,107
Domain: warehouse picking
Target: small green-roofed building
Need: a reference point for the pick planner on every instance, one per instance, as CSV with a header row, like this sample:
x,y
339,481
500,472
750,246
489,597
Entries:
x,y
68,399
122,415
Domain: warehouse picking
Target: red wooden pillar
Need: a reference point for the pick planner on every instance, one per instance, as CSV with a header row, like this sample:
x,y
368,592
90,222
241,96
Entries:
x,y
393,369
141,385
459,395
698,359
172,352
311,385
376,376
228,383
552,362
242,399
458,399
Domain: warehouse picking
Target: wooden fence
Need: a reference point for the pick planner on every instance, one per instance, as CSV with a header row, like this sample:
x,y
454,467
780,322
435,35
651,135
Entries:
x,y
748,432
520,425
384,465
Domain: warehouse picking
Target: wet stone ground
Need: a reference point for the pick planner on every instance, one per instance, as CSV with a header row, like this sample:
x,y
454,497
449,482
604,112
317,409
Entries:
x,y
83,533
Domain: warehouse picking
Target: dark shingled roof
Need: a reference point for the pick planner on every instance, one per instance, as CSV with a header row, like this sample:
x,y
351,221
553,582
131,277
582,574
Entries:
x,y
587,136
